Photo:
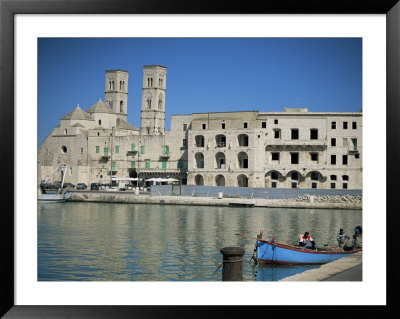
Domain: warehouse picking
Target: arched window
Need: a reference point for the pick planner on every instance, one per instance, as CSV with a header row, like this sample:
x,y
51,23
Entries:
x,y
121,106
160,104
243,160
149,103
220,140
199,158
220,160
199,139
65,131
243,140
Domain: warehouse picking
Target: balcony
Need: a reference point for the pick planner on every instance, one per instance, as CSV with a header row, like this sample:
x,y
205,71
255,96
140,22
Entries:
x,y
131,153
165,155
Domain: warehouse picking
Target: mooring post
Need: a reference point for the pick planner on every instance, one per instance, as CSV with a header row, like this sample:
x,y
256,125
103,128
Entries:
x,y
232,263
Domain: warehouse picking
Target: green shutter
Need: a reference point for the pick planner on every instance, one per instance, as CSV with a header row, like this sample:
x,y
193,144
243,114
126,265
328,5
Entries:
x,y
105,151
132,164
142,149
147,164
133,147
97,149
113,166
164,165
180,164
354,140
116,149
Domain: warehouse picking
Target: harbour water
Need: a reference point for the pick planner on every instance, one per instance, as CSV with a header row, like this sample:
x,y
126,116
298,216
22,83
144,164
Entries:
x,y
80,241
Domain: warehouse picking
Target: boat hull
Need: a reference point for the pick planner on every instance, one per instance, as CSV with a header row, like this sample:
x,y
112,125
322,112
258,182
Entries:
x,y
53,197
276,253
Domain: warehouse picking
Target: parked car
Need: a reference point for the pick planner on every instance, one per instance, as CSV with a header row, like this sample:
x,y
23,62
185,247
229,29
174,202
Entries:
x,y
94,186
81,186
68,185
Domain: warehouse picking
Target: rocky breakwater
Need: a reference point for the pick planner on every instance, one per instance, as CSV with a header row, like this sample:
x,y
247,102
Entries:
x,y
331,200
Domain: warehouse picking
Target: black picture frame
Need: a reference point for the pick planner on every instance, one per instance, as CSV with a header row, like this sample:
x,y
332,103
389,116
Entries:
x,y
8,10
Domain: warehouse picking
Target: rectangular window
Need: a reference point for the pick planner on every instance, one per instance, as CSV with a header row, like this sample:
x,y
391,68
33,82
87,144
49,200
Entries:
x,y
345,142
333,125
180,164
117,149
344,185
275,156
204,126
333,141
313,134
132,164
345,160
294,158
333,177
184,142
314,176
147,163
164,165
313,185
295,134
273,185
333,185
274,175
165,150
133,147
294,185
333,159
277,133
223,126
354,125
314,157
245,125
263,124
345,177
345,125
142,149
105,151
185,127
81,150
357,155
97,149
354,142
113,166
275,121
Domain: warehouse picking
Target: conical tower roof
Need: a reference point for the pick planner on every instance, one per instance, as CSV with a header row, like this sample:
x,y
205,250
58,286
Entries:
x,y
98,107
78,114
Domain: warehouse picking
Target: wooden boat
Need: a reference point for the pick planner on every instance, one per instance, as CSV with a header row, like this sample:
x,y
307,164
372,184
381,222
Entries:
x,y
271,252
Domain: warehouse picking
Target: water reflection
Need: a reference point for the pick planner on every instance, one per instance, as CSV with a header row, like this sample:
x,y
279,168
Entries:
x,y
97,241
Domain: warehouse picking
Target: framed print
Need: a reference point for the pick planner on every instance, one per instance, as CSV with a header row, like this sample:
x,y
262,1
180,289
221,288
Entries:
x,y
26,27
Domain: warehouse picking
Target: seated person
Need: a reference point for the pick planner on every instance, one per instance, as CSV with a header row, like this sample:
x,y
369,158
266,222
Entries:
x,y
306,241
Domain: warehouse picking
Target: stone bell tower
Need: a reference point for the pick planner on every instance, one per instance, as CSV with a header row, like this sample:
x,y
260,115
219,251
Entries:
x,y
153,100
116,92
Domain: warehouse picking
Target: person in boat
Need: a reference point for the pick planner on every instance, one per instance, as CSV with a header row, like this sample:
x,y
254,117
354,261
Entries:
x,y
342,237
306,241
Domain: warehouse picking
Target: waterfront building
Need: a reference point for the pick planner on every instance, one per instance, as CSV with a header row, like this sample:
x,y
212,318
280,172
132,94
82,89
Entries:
x,y
290,149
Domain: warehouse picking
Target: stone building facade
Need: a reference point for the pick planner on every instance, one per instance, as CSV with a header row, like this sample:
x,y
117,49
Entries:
x,y
290,149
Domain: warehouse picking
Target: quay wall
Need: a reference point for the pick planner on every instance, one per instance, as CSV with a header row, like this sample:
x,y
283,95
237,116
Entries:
x,y
131,197
246,192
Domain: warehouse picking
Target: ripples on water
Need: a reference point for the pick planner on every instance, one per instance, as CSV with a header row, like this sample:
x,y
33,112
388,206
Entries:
x,y
131,242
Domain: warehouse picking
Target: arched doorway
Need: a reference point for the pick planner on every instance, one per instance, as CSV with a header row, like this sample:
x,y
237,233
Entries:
x,y
220,180
199,181
243,181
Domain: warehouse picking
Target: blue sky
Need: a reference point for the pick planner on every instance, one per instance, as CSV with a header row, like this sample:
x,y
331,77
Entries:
x,y
204,74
